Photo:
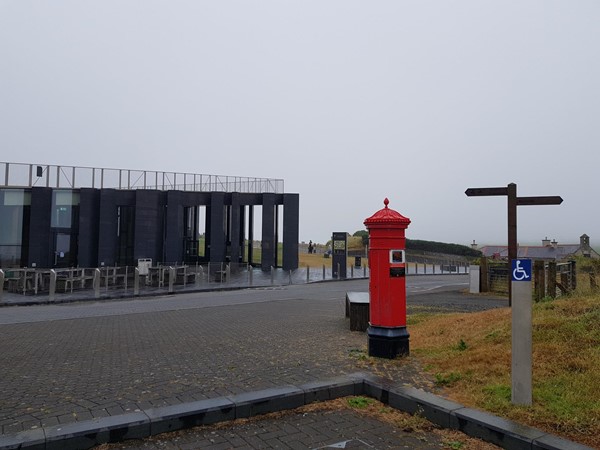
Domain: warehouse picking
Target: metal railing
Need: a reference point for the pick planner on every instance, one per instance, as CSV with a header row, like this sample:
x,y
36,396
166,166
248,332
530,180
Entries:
x,y
41,285
23,175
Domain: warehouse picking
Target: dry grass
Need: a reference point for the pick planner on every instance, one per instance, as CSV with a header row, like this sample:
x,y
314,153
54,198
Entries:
x,y
317,261
470,355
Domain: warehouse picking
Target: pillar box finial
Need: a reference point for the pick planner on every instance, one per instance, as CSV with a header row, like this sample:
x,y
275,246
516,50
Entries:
x,y
387,217
387,334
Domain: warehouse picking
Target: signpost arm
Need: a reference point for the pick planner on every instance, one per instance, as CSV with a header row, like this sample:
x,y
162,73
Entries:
x,y
510,191
512,230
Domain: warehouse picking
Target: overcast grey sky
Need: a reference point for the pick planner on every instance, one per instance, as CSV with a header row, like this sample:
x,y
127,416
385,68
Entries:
x,y
348,101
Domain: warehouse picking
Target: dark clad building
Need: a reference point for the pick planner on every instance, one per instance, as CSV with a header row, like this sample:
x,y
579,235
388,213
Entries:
x,y
57,216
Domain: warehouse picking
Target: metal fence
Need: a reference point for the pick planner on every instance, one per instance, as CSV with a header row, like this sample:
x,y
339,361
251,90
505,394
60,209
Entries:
x,y
24,175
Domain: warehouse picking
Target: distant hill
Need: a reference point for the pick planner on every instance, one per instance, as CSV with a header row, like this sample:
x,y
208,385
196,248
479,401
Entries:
x,y
414,245
357,242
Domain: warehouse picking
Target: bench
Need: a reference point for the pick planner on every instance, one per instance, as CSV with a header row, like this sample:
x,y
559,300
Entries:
x,y
221,276
357,309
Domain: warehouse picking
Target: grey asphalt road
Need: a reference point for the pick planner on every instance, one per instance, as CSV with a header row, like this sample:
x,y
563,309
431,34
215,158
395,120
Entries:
x,y
443,292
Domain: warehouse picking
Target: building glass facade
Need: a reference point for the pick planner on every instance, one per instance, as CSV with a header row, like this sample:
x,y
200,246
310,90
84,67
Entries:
x,y
64,223
15,205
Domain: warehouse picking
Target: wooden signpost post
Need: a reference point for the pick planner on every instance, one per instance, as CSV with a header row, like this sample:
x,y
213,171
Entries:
x,y
519,285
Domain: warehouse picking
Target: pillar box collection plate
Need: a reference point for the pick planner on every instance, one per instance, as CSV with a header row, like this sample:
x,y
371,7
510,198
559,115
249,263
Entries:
x,y
387,334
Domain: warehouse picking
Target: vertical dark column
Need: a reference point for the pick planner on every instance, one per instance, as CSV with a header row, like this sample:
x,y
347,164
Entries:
x,y
236,229
291,234
217,227
269,245
276,231
107,227
89,219
250,234
40,233
242,237
148,225
173,250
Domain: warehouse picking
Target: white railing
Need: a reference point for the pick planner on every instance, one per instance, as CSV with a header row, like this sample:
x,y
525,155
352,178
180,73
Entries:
x,y
22,175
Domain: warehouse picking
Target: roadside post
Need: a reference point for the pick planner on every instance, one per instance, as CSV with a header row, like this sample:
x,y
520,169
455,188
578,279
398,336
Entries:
x,y
387,334
522,346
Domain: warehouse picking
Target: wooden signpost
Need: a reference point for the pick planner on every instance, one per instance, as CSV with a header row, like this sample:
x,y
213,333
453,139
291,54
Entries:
x,y
520,285
510,191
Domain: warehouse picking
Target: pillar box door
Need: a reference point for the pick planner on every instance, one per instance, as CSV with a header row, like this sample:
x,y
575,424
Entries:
x,y
387,332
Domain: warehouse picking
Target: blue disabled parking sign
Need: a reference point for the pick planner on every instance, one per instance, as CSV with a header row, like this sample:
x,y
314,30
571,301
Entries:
x,y
521,270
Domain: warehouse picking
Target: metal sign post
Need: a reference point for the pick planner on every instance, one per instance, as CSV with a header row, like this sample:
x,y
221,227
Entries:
x,y
522,345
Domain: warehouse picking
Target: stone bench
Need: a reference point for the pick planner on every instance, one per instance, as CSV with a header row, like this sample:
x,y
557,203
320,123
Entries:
x,y
357,309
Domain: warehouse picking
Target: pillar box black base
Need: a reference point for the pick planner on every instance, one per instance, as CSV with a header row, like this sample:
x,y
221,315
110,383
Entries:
x,y
388,342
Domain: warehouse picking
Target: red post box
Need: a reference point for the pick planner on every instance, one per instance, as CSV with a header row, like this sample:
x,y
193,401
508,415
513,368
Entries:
x,y
387,332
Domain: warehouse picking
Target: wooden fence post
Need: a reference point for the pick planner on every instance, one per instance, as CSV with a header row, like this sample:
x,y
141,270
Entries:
x,y
539,276
484,285
565,285
551,282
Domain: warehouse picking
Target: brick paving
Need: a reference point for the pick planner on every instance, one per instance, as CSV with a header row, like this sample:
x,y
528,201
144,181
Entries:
x,y
332,424
312,430
63,371
89,361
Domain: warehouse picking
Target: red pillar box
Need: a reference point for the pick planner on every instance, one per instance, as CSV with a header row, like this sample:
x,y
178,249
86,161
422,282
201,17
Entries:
x,y
387,332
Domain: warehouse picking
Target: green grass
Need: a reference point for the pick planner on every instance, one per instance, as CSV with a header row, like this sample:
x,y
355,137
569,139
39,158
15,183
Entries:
x,y
469,355
360,402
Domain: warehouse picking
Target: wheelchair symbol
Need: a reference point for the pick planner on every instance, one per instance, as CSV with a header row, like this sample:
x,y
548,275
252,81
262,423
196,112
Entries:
x,y
519,273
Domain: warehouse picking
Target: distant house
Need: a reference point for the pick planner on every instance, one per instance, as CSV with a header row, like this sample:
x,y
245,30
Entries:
x,y
548,251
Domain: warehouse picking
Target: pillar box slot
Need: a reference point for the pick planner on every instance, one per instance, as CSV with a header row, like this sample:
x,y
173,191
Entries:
x,y
387,334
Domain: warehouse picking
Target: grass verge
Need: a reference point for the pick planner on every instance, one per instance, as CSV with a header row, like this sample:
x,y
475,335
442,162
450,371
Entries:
x,y
470,356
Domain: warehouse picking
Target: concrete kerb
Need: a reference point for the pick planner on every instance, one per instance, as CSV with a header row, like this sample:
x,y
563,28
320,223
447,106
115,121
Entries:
x,y
448,414
142,424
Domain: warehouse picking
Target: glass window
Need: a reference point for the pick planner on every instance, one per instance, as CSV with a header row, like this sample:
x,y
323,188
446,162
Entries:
x,y
64,208
14,226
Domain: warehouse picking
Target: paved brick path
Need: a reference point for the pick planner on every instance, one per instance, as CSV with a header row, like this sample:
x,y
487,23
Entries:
x,y
62,371
68,363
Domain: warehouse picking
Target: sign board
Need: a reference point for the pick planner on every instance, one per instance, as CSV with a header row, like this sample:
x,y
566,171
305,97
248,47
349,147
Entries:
x,y
397,257
521,270
339,258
